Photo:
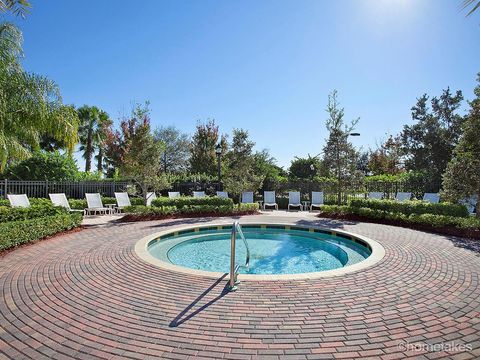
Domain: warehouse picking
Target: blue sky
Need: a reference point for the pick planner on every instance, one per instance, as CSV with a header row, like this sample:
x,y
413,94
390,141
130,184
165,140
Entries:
x,y
266,66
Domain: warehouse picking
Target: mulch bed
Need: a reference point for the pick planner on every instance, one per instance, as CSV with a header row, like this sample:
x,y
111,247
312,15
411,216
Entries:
x,y
444,230
140,217
71,231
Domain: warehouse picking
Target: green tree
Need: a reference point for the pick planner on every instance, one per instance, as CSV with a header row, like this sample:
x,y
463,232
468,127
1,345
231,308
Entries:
x,y
387,158
41,166
117,142
363,162
428,144
16,7
176,154
304,168
339,155
240,174
202,148
462,177
265,164
141,161
30,105
49,143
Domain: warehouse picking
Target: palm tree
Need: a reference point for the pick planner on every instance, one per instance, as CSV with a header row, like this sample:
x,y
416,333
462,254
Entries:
x,y
92,132
88,116
468,3
100,136
30,104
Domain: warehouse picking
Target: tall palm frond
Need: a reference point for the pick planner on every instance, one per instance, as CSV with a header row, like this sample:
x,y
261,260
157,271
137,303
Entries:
x,y
30,105
469,3
11,40
16,7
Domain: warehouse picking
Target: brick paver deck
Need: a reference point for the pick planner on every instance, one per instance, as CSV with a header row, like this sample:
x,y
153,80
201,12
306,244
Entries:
x,y
87,295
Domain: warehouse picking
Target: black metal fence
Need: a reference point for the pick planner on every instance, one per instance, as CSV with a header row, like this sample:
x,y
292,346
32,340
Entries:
x,y
354,190
77,189
73,189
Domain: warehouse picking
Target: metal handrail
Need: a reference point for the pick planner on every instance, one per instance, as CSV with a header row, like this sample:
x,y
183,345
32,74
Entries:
x,y
236,229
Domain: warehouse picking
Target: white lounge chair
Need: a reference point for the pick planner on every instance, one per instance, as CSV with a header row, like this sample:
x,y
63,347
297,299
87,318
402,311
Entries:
x,y
294,200
61,200
432,197
470,203
317,199
94,205
269,199
173,194
19,200
222,194
122,200
375,195
150,197
247,197
403,196
199,194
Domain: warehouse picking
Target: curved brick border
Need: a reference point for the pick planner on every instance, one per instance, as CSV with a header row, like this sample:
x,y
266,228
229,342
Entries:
x,y
88,295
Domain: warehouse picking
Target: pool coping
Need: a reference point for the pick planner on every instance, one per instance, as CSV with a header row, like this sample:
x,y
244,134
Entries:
x,y
378,252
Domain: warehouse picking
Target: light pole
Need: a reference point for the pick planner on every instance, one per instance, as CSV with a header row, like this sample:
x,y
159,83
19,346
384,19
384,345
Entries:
x,y
218,152
339,173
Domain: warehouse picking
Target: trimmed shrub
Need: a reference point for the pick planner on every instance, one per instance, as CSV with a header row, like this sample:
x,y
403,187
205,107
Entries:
x,y
186,201
411,207
246,208
469,223
15,233
8,213
151,210
160,211
33,201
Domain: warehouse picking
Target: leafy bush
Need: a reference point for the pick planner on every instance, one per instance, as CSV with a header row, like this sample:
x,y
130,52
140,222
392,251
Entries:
x,y
186,201
43,165
37,210
246,208
192,209
434,220
151,210
19,232
411,207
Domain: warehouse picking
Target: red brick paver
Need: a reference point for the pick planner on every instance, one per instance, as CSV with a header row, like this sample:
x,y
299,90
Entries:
x,y
87,295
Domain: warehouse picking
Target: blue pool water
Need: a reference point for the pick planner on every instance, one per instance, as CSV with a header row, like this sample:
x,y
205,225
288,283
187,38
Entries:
x,y
272,251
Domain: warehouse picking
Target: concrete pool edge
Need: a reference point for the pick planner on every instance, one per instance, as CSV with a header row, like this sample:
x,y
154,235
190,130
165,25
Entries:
x,y
378,252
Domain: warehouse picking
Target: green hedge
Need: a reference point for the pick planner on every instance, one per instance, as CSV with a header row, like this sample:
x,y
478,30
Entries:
x,y
188,201
411,207
15,233
8,213
33,201
191,209
434,220
75,203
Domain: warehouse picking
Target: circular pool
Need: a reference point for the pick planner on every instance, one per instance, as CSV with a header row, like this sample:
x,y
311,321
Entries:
x,y
283,250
